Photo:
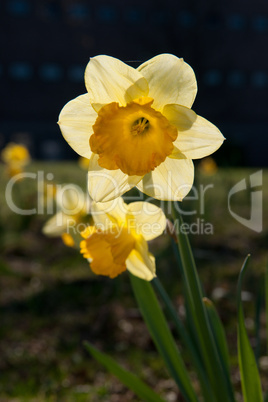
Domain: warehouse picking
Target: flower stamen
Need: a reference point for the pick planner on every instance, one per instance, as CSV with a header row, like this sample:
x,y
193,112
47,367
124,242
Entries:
x,y
140,126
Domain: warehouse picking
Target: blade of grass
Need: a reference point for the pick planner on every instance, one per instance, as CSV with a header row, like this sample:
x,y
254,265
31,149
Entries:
x,y
161,335
198,318
130,380
250,378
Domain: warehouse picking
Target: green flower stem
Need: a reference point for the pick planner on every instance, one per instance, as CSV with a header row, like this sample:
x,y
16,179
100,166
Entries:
x,y
161,335
250,378
218,377
190,347
266,302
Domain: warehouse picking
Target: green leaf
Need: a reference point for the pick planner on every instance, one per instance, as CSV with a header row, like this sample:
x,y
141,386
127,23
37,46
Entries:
x,y
259,303
161,335
198,318
127,378
218,332
250,379
266,302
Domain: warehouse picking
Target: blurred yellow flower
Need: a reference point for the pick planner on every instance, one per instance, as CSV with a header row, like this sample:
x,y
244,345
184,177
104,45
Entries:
x,y
118,241
208,166
15,156
13,170
137,128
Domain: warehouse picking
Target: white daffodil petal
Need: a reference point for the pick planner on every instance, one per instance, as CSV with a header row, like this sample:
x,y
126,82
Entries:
x,y
76,120
109,213
148,219
140,262
170,80
110,80
106,185
71,199
58,224
197,137
170,181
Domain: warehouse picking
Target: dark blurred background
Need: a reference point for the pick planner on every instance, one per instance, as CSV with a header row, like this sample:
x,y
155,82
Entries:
x,y
46,45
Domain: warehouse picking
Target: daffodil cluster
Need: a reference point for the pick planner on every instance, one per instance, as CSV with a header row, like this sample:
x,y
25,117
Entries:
x,y
135,127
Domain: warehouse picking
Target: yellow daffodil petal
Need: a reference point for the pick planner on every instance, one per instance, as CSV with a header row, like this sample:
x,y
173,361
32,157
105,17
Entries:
x,y
108,250
72,200
171,181
108,213
57,224
197,137
147,219
88,231
110,80
106,185
135,138
140,262
76,120
170,80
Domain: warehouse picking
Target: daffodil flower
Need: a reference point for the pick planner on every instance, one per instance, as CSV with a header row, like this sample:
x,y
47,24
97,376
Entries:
x,y
208,166
137,128
118,241
15,156
73,209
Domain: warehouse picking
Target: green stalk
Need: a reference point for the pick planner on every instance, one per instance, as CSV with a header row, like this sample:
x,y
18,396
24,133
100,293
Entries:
x,y
190,347
161,335
250,378
215,367
266,302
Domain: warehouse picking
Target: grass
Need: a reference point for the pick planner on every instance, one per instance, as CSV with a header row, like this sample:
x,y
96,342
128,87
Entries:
x,y
51,302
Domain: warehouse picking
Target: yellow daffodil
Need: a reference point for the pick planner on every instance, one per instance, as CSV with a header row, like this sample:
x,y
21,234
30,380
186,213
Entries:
x,y
208,166
73,209
118,241
15,156
13,170
137,128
